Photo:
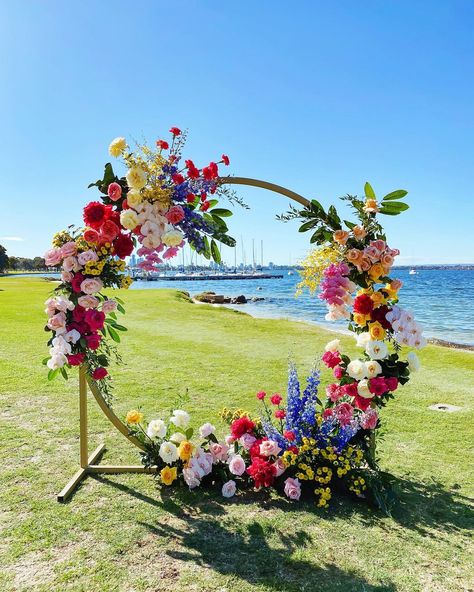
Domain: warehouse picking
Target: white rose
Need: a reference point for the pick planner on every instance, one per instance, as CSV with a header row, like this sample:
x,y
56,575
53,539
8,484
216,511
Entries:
x,y
206,430
363,389
372,369
177,437
136,178
172,238
129,219
334,345
180,418
413,362
229,488
117,146
134,198
362,339
156,429
56,361
168,452
377,350
356,369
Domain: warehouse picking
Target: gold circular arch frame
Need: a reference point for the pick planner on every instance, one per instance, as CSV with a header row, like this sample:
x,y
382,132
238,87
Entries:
x,y
89,464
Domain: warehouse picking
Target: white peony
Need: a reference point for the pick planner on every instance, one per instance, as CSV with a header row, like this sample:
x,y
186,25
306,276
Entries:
x,y
363,389
229,488
172,238
334,345
136,178
129,219
177,437
156,429
180,418
356,369
373,368
168,452
362,339
376,350
117,146
413,362
206,430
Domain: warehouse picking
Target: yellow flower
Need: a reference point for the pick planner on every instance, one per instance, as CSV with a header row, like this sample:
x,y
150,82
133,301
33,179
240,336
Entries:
x,y
126,282
134,198
371,206
168,475
134,417
377,298
185,450
136,178
360,319
377,332
117,146
313,267
376,271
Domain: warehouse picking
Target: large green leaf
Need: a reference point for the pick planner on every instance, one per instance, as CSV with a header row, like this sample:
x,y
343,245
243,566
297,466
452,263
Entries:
x,y
308,225
369,192
215,251
223,213
398,194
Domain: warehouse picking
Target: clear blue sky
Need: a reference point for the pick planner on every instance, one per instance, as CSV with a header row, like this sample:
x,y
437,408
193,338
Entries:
x,y
316,96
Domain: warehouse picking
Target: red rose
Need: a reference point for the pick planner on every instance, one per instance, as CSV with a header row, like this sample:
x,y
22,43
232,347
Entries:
x,y
177,178
378,314
280,414
276,399
225,159
289,435
75,359
378,386
91,235
99,373
78,313
123,246
114,191
162,144
262,472
350,389
362,403
331,359
95,319
175,214
363,304
108,231
93,341
241,426
175,131
80,326
261,395
392,383
95,214
205,206
76,282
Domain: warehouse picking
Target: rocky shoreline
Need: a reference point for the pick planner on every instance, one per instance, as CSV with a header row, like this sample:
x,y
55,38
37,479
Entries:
x,y
213,298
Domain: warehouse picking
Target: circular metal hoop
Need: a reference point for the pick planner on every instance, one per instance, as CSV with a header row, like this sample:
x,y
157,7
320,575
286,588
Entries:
x,y
108,412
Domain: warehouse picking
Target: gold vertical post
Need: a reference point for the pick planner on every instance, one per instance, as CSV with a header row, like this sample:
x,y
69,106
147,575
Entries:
x,y
83,418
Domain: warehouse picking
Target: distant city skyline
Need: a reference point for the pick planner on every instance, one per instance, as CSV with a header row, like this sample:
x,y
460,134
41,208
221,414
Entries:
x,y
329,105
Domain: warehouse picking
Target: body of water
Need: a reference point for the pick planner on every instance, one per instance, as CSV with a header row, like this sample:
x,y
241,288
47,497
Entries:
x,y
442,299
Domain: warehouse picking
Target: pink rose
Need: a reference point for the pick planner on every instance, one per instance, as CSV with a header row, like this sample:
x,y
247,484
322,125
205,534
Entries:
x,y
369,419
86,256
175,214
229,488
237,465
53,257
247,441
114,191
372,253
68,249
365,265
219,451
344,412
380,245
66,276
71,264
57,322
191,479
88,301
269,448
91,286
292,488
279,466
109,306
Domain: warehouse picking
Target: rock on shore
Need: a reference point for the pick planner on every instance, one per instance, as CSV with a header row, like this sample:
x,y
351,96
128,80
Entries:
x,y
213,298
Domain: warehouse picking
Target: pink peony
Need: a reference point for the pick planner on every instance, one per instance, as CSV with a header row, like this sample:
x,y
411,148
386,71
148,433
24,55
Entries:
x,y
378,386
292,488
53,257
344,413
91,286
114,191
68,249
175,214
331,359
269,448
237,465
334,392
369,419
88,301
109,306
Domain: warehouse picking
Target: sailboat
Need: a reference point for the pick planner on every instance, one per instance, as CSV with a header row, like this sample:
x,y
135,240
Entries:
x,y
413,272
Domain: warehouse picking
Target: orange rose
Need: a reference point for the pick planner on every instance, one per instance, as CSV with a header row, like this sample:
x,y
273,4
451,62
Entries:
x,y
376,271
371,206
359,232
360,319
341,236
354,255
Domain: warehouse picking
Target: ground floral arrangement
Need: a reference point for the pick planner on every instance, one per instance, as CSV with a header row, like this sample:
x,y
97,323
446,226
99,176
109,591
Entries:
x,y
308,445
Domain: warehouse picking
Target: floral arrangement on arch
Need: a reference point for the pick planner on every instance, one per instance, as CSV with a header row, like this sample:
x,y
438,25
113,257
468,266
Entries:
x,y
159,205
311,446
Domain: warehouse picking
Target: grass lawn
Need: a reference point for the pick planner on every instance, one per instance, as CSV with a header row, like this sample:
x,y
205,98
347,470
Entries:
x,y
119,533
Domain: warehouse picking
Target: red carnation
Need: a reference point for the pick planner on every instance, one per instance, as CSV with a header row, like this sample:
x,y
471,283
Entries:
x,y
276,399
331,359
261,395
95,319
193,173
255,448
123,246
289,435
262,472
91,235
241,426
392,383
205,206
280,414
99,373
190,197
76,282
294,449
93,341
108,231
175,131
328,413
203,196
210,172
225,159
162,144
75,359
95,214
177,178
363,304
378,386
